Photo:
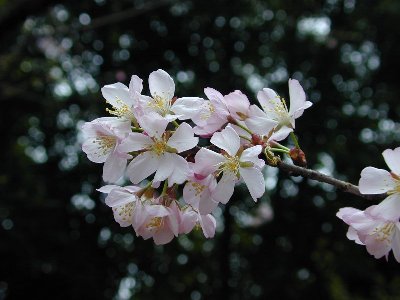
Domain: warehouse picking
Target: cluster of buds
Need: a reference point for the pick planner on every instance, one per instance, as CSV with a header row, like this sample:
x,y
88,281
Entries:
x,y
175,185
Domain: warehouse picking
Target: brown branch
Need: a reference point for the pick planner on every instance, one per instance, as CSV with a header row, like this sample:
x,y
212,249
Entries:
x,y
315,175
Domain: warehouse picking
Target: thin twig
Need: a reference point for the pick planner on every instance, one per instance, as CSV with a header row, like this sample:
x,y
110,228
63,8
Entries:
x,y
315,175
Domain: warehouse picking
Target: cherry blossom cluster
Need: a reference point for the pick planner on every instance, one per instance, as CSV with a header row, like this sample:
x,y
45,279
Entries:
x,y
378,227
175,185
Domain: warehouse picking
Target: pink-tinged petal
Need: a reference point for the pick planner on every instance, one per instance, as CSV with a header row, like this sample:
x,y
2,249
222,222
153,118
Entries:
x,y
180,171
183,139
254,180
116,94
388,209
174,219
392,159
281,134
95,150
375,181
259,122
213,124
352,235
187,107
165,167
396,242
119,196
135,86
142,166
238,105
251,155
207,205
188,221
114,167
297,99
213,94
225,187
107,188
161,85
268,100
227,140
132,188
153,124
163,236
376,246
208,225
207,161
346,212
135,142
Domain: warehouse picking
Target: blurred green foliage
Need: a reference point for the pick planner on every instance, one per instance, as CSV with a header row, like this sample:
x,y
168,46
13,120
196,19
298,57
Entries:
x,y
59,241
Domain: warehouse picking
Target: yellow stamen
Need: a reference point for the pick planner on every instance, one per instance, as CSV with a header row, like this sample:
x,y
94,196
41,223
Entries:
x,y
384,233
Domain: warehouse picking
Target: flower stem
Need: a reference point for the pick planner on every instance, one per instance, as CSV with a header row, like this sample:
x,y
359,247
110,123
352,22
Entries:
x,y
280,150
245,138
295,140
175,123
244,128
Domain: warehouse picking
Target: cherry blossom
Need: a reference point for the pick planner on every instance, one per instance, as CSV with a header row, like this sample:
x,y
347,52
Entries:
x,y
377,181
122,200
102,139
190,219
275,109
233,165
159,152
379,235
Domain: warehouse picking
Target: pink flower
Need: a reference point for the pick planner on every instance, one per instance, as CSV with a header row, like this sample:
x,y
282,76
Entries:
x,y
276,110
159,153
123,99
122,200
233,165
377,181
199,193
191,218
238,105
157,221
379,235
103,137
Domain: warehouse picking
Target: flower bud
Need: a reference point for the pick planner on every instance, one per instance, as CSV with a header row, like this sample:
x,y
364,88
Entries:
x,y
298,157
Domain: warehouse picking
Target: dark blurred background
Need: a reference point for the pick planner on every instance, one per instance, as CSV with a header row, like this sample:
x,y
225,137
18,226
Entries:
x,y
57,238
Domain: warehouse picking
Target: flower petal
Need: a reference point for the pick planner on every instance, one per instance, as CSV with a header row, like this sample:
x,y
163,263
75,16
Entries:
x,y
251,155
161,85
180,171
135,142
187,107
254,180
207,161
135,86
119,196
142,166
238,104
117,94
388,209
227,140
153,124
114,167
183,139
208,225
95,150
297,99
165,167
259,122
375,181
225,187
392,159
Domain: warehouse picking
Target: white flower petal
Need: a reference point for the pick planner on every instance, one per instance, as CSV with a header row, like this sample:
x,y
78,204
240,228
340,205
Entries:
x,y
227,140
254,180
119,196
225,187
135,142
281,133
161,85
259,122
251,155
375,181
116,94
183,139
95,150
107,188
142,166
135,86
207,161
153,124
392,159
165,167
297,98
180,171
388,209
396,242
208,225
268,100
114,167
187,107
